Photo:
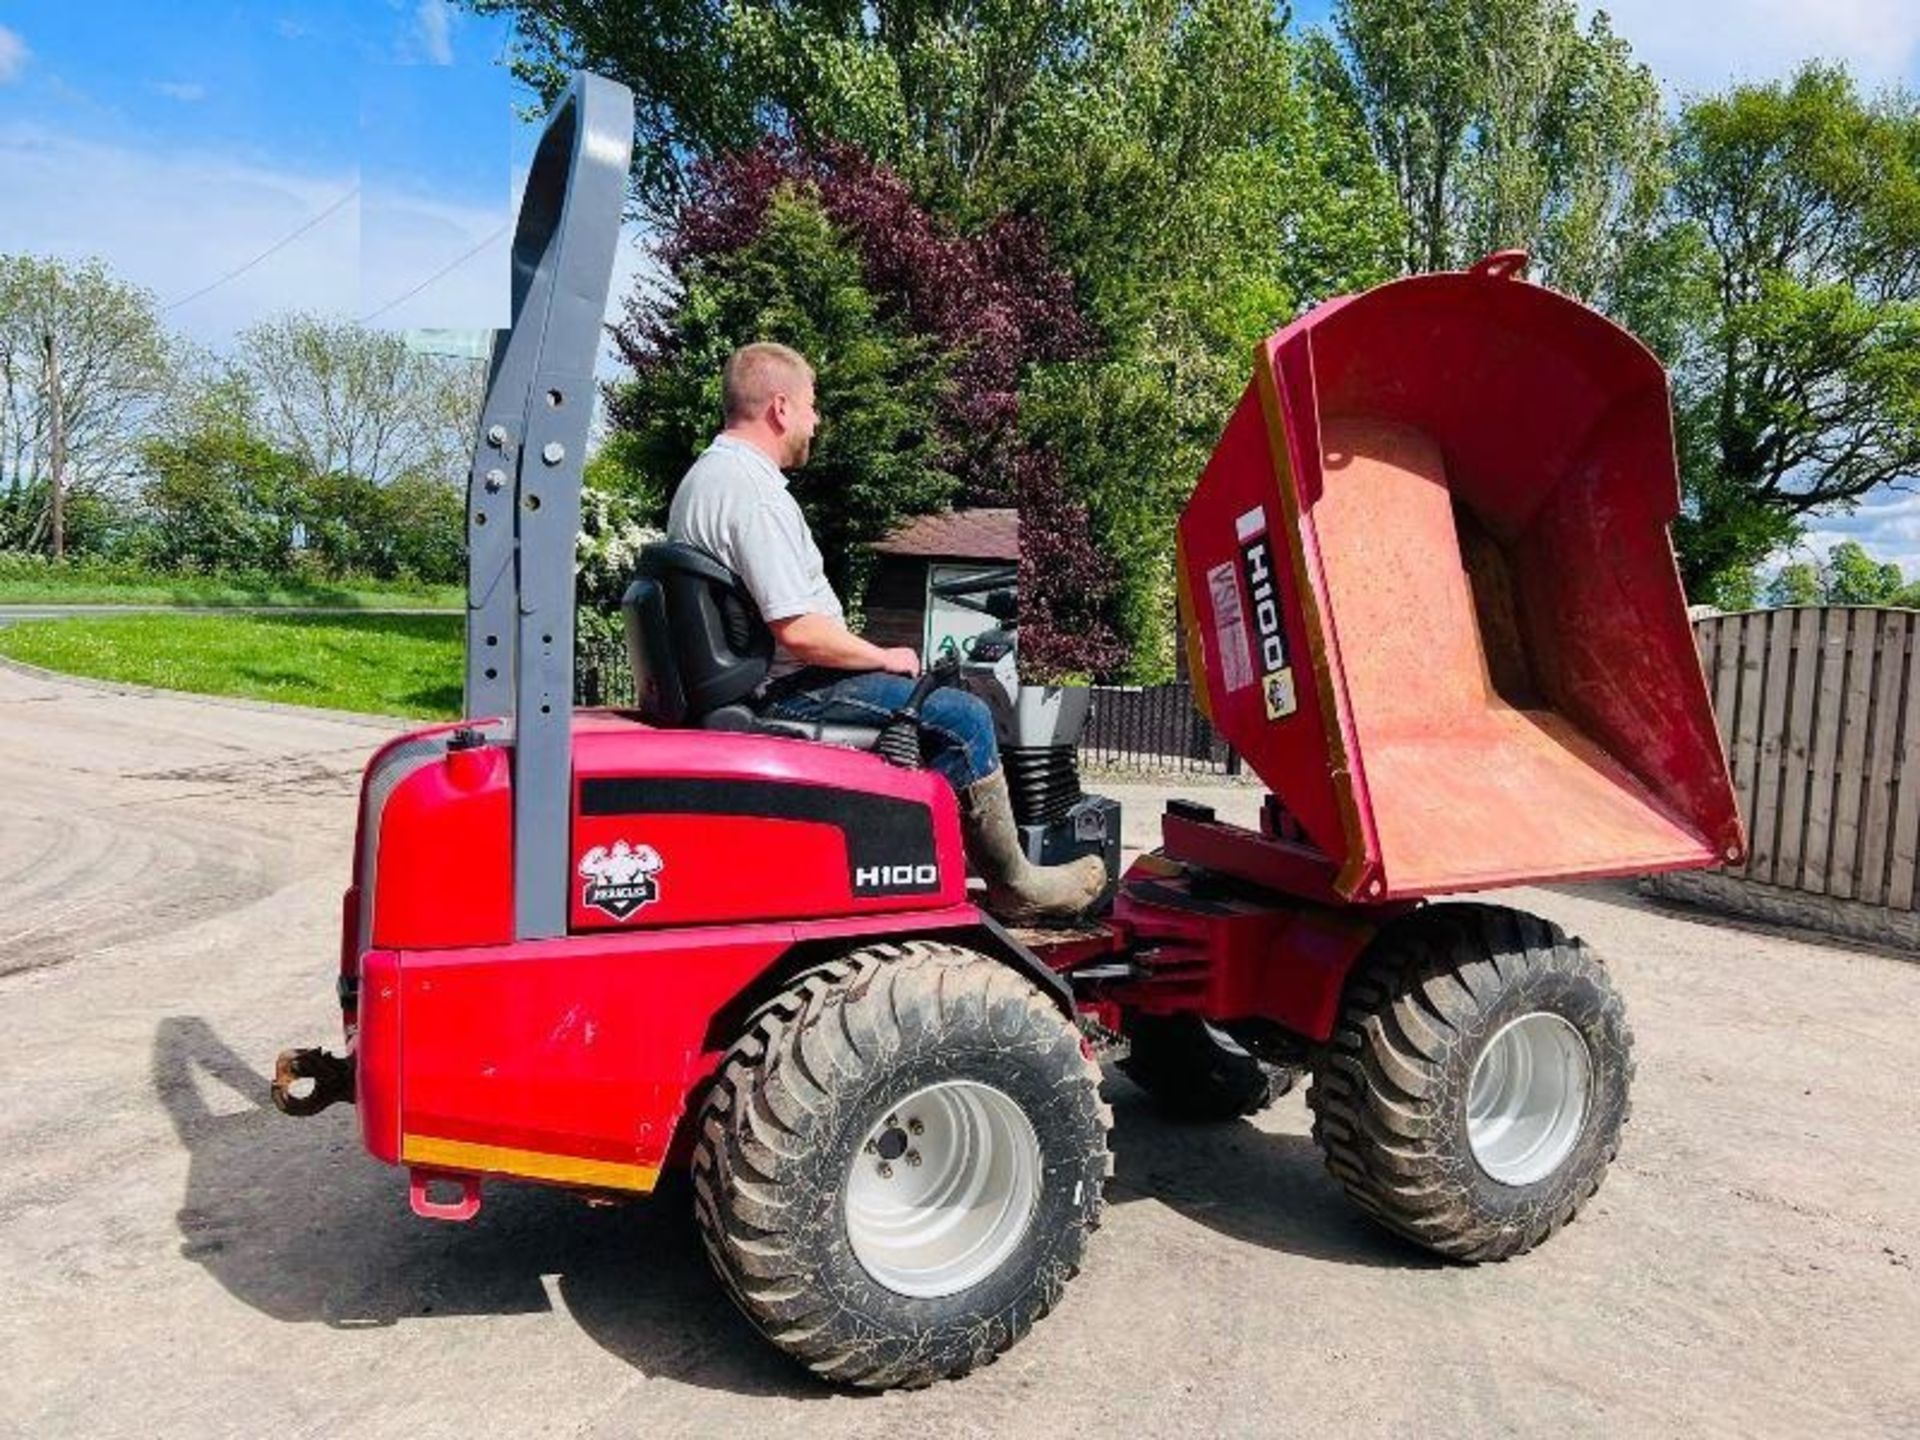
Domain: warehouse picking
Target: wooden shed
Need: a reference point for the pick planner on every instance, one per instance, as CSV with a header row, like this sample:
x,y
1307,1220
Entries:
x,y
900,606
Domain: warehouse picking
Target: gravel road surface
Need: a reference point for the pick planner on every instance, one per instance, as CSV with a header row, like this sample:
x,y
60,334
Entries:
x,y
182,1261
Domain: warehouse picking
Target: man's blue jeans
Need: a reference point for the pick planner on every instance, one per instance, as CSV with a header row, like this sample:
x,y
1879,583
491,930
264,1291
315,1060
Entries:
x,y
956,728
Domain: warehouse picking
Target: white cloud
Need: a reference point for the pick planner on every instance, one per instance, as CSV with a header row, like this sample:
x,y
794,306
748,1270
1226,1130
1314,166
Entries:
x,y
1886,524
13,55
174,221
434,26
1701,45
186,91
424,263
79,198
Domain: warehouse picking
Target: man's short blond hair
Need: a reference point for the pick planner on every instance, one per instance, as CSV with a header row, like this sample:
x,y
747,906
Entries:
x,y
755,373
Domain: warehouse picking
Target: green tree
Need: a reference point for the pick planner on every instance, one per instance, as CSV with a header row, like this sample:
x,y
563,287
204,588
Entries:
x,y
1204,191
936,90
1797,269
1198,186
1848,576
1796,584
617,467
874,462
1502,123
422,522
218,496
83,362
1853,577
349,400
1733,590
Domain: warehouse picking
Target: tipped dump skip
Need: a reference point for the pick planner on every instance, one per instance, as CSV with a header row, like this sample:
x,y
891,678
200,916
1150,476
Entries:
x,y
1430,587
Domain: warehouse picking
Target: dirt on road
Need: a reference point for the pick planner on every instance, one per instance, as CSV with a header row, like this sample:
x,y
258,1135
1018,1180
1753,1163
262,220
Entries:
x,y
181,1260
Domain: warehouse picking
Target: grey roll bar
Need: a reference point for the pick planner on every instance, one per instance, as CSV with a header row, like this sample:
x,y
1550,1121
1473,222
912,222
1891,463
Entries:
x,y
523,491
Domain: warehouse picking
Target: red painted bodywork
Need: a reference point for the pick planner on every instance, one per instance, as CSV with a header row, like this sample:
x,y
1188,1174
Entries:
x,y
589,1047
584,1051
1235,955
728,867
446,859
376,1044
446,854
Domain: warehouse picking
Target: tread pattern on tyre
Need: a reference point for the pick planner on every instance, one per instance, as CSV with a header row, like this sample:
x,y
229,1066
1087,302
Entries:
x,y
830,1025
1191,1077
1388,1093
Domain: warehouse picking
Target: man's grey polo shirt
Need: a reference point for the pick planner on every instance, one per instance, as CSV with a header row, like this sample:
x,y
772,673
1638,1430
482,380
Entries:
x,y
734,505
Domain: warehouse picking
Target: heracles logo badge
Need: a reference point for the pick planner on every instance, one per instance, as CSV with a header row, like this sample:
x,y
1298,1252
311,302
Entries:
x,y
620,877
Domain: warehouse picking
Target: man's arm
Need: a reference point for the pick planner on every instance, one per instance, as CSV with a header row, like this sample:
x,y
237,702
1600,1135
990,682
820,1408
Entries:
x,y
816,639
768,556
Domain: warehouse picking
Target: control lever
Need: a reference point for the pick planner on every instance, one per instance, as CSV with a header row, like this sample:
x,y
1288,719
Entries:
x,y
899,742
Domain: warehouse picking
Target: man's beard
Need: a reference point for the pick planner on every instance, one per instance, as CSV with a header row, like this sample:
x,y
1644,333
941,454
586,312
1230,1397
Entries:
x,y
798,449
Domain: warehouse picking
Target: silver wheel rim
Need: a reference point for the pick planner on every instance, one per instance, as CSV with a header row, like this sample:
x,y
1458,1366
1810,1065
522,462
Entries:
x,y
1527,1098
942,1189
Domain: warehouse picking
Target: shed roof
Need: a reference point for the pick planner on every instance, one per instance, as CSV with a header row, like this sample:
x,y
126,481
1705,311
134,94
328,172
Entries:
x,y
983,534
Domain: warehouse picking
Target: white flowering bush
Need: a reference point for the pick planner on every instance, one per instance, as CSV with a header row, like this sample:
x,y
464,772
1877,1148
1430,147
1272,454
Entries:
x,y
608,548
604,558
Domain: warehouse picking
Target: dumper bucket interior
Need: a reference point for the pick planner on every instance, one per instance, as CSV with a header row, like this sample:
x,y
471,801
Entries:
x,y
1428,581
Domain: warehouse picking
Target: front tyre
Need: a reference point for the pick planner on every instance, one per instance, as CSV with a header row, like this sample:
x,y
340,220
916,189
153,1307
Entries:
x,y
900,1162
1472,1095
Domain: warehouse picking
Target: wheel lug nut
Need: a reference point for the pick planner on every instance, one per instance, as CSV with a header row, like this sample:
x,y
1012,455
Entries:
x,y
886,1171
872,1149
914,1126
913,1157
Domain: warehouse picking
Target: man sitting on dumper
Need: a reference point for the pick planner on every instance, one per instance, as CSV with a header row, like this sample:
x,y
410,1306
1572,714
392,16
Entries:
x,y
734,504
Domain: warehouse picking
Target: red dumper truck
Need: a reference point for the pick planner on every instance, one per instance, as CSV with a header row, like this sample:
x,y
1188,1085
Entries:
x,y
1426,591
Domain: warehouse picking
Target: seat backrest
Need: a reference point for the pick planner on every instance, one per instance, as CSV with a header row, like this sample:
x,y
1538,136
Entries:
x,y
694,637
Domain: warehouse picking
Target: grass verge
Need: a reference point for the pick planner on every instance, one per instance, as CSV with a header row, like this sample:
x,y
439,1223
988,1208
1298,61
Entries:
x,y
28,581
377,664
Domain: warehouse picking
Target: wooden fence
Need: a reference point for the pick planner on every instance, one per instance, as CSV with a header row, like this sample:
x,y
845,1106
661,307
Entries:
x,y
1815,706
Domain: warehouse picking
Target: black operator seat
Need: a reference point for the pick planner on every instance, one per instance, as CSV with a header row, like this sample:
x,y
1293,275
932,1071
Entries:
x,y
700,650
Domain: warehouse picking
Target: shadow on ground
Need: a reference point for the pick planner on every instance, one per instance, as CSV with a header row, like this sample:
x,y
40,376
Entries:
x,y
1251,1184
297,1222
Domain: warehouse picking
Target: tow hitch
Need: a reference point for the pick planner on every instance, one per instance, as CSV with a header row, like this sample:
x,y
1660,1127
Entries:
x,y
322,1077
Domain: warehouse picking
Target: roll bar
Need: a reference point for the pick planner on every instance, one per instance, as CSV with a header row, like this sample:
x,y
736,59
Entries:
x,y
523,491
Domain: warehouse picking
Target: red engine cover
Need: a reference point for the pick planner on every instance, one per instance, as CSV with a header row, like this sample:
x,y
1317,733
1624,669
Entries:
x,y
670,827
677,827
571,1060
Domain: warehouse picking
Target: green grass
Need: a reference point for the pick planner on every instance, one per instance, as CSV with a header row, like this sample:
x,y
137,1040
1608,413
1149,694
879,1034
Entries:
x,y
30,581
378,664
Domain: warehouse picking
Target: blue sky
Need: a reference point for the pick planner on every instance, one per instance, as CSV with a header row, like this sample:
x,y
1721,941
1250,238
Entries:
x,y
182,141
369,146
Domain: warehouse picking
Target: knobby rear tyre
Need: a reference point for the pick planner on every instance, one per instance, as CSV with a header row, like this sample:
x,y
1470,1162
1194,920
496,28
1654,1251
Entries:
x,y
790,1112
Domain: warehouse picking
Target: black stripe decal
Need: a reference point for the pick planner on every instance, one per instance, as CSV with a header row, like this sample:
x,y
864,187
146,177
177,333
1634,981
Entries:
x,y
890,847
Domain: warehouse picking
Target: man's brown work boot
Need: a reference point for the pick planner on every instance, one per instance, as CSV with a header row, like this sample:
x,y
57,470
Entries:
x,y
1018,891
